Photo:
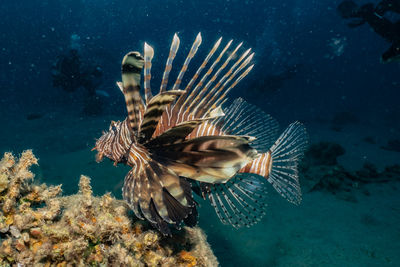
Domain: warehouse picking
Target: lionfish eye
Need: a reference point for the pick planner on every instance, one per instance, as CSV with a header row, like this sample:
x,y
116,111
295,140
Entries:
x,y
114,128
137,56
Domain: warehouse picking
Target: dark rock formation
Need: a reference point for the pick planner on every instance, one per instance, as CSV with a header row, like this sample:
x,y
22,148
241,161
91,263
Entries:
x,y
392,145
321,172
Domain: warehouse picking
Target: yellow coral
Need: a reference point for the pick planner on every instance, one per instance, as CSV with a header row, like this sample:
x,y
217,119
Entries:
x,y
62,264
152,258
187,258
35,245
85,188
137,229
18,174
6,247
150,239
10,219
79,230
106,201
3,181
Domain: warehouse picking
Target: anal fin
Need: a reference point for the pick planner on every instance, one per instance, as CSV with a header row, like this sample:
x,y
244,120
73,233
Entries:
x,y
241,201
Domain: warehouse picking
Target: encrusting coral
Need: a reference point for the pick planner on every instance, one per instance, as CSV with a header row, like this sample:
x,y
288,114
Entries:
x,y
39,227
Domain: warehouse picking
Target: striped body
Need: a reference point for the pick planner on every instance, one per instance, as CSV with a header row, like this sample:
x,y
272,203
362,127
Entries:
x,y
261,165
182,141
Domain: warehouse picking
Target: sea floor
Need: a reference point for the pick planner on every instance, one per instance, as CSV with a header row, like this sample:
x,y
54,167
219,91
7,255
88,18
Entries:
x,y
325,230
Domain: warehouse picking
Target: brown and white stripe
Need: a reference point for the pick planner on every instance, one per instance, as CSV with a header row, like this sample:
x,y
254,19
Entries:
x,y
200,106
132,65
260,166
154,111
168,66
192,52
177,136
194,102
148,56
181,105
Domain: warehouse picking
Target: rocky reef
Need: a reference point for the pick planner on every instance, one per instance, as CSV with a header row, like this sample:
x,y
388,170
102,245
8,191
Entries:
x,y
321,172
40,227
392,145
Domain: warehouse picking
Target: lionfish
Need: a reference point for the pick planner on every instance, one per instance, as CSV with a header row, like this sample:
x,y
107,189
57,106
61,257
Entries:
x,y
182,141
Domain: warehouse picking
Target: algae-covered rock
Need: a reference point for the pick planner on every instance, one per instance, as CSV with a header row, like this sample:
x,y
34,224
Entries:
x,y
5,165
39,227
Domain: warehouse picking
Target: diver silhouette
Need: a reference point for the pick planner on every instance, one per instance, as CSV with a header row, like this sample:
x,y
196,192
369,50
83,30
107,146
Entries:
x,y
388,5
374,17
66,72
69,74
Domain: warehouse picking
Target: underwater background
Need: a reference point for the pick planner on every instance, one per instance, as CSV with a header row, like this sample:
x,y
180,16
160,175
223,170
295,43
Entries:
x,y
309,66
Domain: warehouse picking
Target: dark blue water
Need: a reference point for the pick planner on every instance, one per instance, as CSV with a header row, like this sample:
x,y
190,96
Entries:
x,y
281,33
309,66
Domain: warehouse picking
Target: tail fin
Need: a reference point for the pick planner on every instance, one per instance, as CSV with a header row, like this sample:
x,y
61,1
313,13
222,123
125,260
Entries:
x,y
280,164
286,154
241,200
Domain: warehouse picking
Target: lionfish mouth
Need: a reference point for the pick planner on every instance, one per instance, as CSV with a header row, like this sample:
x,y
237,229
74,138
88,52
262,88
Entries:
x,y
182,141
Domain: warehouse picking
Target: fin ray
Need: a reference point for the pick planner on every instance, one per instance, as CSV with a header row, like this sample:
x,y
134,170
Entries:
x,y
148,56
199,87
242,118
179,132
130,193
180,105
168,66
286,154
192,53
132,65
200,106
239,202
154,111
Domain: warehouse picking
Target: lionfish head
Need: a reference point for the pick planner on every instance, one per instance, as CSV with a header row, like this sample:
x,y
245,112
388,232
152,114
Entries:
x,y
133,60
106,145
